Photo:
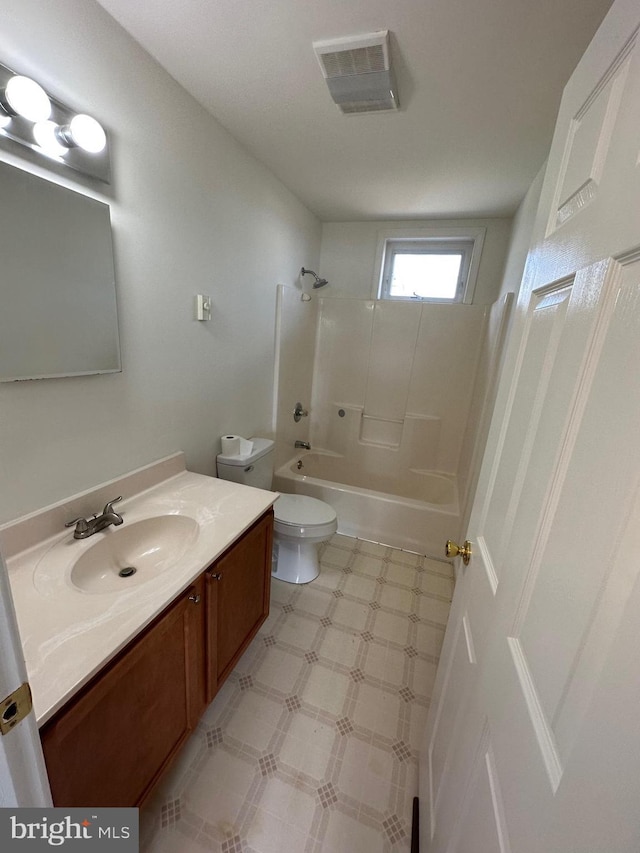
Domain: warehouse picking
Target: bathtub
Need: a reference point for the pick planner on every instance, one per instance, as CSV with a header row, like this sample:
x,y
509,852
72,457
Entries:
x,y
418,511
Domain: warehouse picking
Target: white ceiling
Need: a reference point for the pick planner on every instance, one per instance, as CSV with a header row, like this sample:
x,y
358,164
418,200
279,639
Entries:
x,y
479,84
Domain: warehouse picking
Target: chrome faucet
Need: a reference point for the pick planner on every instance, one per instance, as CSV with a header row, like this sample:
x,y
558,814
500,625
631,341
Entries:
x,y
303,445
86,527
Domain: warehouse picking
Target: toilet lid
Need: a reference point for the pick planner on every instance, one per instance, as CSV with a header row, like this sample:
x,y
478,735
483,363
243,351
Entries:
x,y
302,510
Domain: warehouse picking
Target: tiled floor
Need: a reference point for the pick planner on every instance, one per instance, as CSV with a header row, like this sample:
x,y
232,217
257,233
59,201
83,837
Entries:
x,y
311,745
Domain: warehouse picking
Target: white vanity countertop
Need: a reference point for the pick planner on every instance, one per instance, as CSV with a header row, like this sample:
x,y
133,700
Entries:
x,y
67,634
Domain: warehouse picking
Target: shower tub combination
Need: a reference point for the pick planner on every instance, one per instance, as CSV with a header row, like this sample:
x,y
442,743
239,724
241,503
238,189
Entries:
x,y
417,512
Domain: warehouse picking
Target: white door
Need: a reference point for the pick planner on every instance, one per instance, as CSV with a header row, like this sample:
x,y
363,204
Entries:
x,y
23,776
533,740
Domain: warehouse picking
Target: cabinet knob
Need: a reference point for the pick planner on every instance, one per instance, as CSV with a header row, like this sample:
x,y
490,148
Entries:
x,y
216,576
195,597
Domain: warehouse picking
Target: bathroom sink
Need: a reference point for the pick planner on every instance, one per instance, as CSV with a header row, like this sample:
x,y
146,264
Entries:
x,y
133,554
121,557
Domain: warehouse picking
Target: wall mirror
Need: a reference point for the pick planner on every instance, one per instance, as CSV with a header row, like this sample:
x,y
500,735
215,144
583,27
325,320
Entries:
x,y
58,314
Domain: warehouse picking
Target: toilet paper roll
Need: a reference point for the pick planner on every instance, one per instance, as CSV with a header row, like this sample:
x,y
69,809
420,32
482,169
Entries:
x,y
236,445
231,445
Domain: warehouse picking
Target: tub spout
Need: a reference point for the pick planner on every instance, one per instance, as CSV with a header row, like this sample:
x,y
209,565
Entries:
x,y
303,445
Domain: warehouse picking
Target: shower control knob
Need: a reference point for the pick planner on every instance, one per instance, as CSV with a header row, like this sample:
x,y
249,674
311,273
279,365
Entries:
x,y
464,551
299,412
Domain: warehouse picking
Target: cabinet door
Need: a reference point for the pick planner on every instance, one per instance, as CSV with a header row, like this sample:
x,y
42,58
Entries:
x,y
238,587
110,744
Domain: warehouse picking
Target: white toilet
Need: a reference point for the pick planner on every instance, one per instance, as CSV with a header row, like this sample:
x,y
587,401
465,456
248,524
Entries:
x,y
301,523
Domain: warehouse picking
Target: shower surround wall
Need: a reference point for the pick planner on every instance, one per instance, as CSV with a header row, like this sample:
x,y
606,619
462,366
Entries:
x,y
293,373
392,389
393,383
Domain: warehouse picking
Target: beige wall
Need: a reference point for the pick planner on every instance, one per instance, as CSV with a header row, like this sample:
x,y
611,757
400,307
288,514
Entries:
x,y
192,212
521,235
349,254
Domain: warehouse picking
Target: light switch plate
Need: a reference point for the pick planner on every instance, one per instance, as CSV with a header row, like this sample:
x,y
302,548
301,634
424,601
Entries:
x,y
203,307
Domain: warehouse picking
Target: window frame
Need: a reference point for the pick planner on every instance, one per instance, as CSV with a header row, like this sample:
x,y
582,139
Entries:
x,y
394,248
434,238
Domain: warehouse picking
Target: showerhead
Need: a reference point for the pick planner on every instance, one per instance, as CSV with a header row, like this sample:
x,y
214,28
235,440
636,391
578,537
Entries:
x,y
319,282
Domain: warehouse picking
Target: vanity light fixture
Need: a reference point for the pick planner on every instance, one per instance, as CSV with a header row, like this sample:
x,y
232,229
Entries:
x,y
24,97
30,117
85,132
45,134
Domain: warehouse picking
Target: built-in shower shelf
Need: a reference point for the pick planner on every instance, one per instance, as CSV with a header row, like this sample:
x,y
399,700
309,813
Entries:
x,y
382,432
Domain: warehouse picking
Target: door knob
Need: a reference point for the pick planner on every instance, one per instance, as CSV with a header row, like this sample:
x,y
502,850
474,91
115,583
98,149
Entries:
x,y
454,550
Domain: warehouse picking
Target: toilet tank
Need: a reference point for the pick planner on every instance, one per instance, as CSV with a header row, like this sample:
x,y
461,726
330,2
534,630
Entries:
x,y
255,469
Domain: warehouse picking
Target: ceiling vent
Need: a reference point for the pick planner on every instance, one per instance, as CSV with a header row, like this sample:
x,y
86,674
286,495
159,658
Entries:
x,y
358,72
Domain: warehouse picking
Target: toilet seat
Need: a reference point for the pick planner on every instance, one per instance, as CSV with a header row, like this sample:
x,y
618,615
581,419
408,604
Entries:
x,y
302,517
300,524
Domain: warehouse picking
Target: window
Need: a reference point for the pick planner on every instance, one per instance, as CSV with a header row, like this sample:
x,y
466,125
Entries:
x,y
436,270
429,265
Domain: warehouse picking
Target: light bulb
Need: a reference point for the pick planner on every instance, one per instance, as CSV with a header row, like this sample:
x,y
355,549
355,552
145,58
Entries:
x,y
45,134
87,133
27,98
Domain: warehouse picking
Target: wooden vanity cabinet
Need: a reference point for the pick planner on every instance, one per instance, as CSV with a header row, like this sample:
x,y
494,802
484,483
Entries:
x,y
110,744
238,585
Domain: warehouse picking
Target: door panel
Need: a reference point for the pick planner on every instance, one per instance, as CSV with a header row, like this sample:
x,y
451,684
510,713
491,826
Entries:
x,y
545,321
133,717
538,755
238,589
553,318
598,449
483,827
588,138
565,325
449,713
242,593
